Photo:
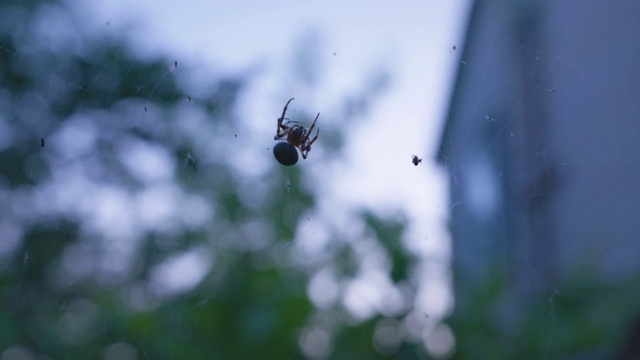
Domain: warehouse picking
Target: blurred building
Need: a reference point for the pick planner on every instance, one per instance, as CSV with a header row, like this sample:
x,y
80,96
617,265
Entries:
x,y
542,145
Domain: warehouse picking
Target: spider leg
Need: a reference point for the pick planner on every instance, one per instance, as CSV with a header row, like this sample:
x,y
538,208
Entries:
x,y
280,120
313,125
291,121
280,135
306,139
309,143
306,147
283,130
284,111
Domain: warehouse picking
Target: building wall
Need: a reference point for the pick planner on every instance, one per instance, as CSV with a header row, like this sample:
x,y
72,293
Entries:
x,y
542,145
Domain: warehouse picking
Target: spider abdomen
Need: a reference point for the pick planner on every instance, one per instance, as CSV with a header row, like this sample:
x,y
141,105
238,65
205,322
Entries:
x,y
285,153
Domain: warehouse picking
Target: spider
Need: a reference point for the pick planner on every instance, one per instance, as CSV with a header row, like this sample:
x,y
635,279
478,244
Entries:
x,y
297,137
415,160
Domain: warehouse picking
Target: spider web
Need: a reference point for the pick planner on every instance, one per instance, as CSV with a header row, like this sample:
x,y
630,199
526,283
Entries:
x,y
174,192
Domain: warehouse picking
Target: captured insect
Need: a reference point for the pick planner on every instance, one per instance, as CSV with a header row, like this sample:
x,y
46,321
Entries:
x,y
415,160
41,142
297,137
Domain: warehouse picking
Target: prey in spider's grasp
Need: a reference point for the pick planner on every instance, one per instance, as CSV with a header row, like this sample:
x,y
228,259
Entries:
x,y
296,137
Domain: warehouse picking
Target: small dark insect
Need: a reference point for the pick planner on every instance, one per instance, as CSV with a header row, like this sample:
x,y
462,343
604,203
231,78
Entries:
x,y
41,142
296,137
145,109
415,160
236,135
189,98
175,63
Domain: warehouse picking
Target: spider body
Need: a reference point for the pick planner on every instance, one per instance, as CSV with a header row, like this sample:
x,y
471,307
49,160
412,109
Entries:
x,y
296,137
415,160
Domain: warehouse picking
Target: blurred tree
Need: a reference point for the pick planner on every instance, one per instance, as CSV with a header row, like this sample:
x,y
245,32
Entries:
x,y
135,230
103,113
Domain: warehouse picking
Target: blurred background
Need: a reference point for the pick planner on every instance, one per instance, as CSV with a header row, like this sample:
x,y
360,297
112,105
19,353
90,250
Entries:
x,y
144,216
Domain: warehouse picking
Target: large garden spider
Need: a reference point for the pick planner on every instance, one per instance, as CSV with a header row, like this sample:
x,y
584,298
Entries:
x,y
297,137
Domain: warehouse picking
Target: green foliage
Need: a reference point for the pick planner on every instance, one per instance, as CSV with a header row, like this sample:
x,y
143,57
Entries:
x,y
390,232
73,287
565,323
